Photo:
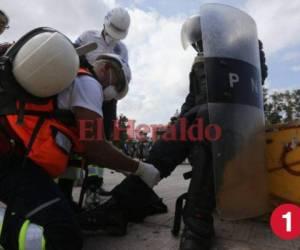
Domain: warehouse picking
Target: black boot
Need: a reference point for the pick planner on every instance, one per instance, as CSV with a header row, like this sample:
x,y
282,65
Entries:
x,y
108,217
199,232
137,199
132,200
93,192
200,237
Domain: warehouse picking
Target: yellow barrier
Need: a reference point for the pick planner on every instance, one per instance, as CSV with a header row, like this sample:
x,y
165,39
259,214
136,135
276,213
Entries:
x,y
283,161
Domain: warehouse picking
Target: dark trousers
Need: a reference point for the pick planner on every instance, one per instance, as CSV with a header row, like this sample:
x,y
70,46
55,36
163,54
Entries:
x,y
31,194
166,155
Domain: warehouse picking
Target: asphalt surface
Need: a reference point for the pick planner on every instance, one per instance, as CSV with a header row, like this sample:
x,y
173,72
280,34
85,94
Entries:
x,y
155,232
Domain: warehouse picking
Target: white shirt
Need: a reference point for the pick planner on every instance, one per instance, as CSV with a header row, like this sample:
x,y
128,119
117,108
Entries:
x,y
85,92
96,36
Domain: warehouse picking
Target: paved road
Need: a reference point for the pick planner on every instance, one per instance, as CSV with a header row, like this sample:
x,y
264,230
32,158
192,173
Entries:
x,y
154,233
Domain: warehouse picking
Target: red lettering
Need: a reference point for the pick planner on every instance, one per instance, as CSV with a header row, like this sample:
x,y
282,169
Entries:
x,y
217,132
170,134
198,134
182,124
142,130
154,130
130,129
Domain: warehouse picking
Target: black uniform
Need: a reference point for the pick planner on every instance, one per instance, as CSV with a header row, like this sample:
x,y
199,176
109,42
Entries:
x,y
166,155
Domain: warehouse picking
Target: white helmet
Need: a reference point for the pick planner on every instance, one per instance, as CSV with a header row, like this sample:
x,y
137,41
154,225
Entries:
x,y
123,68
116,23
45,62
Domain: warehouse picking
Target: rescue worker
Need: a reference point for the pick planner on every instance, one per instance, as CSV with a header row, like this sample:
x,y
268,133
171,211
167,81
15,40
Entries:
x,y
37,138
115,28
165,155
108,40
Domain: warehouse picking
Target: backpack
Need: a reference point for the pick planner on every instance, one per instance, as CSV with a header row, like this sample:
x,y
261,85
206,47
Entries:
x,y
20,111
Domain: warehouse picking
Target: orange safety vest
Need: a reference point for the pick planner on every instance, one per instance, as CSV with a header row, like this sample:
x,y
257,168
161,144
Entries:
x,y
54,140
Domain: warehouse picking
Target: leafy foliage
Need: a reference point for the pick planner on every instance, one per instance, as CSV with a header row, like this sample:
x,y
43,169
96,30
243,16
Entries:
x,y
282,107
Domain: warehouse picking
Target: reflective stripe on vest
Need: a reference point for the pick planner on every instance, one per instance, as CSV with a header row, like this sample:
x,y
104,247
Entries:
x,y
2,213
52,145
47,151
31,237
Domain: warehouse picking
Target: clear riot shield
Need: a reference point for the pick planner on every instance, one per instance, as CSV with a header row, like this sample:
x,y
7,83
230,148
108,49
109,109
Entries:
x,y
232,66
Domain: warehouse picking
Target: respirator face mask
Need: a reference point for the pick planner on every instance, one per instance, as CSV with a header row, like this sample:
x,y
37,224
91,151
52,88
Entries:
x,y
110,41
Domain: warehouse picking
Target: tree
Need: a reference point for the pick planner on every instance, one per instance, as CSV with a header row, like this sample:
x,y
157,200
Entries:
x,y
282,107
271,107
296,99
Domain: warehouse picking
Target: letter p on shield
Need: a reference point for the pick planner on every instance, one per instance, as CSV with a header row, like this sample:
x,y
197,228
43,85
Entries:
x,y
233,78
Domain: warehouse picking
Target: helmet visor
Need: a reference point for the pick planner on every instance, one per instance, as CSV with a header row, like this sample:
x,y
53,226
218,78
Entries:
x,y
114,32
191,31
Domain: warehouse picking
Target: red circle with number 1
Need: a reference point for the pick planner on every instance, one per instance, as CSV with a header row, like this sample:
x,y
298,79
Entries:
x,y
285,221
